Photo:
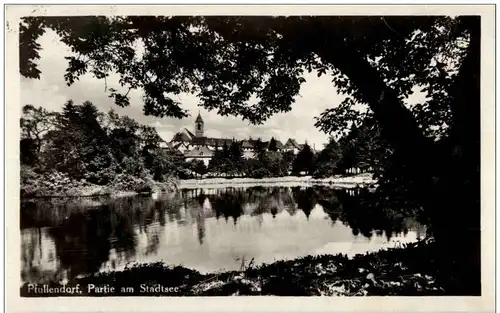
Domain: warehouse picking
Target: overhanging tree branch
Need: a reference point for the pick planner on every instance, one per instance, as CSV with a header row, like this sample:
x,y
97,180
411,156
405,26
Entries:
x,y
397,122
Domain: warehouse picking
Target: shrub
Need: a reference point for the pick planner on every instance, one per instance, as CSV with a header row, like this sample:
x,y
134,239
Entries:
x,y
126,182
48,184
28,174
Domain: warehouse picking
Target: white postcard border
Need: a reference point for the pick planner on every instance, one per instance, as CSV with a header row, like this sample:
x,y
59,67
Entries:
x,y
252,304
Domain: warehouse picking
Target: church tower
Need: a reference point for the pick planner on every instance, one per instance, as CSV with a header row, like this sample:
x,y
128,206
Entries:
x,y
198,126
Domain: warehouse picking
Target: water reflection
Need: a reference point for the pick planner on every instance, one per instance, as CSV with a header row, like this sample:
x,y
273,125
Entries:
x,y
203,229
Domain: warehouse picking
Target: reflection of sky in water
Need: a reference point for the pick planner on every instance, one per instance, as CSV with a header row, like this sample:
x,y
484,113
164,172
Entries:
x,y
263,238
264,226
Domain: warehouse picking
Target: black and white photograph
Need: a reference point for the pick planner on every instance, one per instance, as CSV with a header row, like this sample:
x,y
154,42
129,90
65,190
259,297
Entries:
x,y
301,155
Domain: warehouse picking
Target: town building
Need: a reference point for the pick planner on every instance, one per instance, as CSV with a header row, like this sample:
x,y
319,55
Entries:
x,y
197,146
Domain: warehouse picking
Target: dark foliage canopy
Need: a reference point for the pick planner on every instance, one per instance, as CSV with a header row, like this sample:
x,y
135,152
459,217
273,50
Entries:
x,y
253,66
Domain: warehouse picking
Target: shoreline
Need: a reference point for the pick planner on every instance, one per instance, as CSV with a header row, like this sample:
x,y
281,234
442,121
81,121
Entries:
x,y
110,194
338,181
89,191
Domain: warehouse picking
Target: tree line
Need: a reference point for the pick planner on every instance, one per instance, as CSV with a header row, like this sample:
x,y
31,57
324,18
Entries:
x,y
361,150
84,143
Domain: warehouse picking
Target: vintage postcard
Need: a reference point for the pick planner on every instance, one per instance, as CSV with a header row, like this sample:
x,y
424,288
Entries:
x,y
259,158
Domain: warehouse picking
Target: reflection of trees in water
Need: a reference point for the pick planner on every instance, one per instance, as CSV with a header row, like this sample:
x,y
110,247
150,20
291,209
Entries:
x,y
305,198
82,241
359,209
328,199
194,202
200,226
84,236
288,201
269,204
38,259
31,247
273,201
364,212
50,212
160,209
140,210
85,233
153,242
228,205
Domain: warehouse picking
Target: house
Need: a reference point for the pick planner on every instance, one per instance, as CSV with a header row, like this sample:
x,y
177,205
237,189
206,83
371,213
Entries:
x,y
292,145
199,153
198,146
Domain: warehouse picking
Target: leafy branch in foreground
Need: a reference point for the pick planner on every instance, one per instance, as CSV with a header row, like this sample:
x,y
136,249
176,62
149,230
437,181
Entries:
x,y
252,66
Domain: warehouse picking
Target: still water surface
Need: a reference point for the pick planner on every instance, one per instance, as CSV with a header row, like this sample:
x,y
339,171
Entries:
x,y
207,230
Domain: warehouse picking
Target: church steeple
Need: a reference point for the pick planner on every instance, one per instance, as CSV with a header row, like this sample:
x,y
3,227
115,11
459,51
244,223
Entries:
x,y
198,126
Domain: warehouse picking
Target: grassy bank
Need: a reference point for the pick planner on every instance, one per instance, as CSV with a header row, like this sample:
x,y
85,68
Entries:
x,y
409,271
57,184
358,180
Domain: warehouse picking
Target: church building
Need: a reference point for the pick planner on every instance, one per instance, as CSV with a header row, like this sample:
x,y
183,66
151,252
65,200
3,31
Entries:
x,y
198,146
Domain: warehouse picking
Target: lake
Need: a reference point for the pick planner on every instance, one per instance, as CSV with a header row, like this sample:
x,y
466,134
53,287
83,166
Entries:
x,y
207,230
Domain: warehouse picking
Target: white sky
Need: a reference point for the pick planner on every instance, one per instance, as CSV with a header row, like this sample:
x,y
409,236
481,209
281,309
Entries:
x,y
51,92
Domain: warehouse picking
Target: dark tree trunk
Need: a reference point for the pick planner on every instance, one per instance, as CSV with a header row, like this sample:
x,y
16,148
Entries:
x,y
446,176
415,153
457,211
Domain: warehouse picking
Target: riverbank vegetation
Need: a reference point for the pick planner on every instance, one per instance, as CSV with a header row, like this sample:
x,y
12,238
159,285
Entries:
x,y
83,152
